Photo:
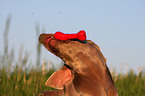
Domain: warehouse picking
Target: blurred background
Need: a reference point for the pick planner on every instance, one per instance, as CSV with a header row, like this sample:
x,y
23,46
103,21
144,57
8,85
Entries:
x,y
116,26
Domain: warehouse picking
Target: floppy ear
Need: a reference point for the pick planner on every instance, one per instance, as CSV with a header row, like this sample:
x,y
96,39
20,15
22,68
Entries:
x,y
92,43
59,78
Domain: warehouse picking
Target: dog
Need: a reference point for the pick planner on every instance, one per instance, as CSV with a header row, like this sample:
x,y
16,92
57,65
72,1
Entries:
x,y
84,73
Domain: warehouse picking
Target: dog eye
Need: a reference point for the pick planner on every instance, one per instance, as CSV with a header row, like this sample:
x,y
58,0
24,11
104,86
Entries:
x,y
66,41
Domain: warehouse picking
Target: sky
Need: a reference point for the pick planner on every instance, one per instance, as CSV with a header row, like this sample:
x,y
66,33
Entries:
x,y
117,26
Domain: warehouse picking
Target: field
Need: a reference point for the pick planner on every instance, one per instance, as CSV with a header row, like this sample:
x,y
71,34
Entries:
x,y
18,78
28,82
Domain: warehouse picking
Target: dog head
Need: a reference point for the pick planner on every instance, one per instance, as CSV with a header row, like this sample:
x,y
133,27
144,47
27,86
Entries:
x,y
79,56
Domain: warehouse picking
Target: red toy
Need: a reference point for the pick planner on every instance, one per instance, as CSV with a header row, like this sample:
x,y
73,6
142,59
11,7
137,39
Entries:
x,y
81,35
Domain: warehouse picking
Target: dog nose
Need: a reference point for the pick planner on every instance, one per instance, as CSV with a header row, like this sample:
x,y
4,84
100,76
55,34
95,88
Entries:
x,y
41,37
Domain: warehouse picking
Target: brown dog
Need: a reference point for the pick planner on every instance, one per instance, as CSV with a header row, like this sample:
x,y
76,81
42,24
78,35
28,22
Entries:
x,y
84,73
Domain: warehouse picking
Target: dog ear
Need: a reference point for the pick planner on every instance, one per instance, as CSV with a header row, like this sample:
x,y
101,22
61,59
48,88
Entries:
x,y
93,44
59,78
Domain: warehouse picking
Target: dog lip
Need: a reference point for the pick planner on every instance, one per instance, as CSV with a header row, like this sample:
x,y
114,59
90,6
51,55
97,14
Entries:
x,y
51,45
48,38
48,41
68,66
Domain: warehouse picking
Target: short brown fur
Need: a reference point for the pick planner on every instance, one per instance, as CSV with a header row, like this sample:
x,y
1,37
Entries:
x,y
85,70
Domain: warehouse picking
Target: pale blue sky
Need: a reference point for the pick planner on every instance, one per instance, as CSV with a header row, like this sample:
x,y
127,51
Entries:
x,y
117,26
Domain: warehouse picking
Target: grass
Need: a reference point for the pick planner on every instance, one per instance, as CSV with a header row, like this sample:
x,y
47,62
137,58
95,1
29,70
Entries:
x,y
130,84
26,82
22,83
17,78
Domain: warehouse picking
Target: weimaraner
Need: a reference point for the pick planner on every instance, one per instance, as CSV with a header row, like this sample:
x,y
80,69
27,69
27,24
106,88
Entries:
x,y
84,73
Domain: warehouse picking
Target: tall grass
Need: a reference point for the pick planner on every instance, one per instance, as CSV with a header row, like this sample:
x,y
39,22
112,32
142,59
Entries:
x,y
17,79
38,45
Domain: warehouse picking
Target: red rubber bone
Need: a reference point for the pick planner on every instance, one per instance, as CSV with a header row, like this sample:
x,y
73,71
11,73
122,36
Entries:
x,y
81,35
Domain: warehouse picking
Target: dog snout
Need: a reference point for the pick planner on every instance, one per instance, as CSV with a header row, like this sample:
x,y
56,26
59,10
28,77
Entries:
x,y
42,37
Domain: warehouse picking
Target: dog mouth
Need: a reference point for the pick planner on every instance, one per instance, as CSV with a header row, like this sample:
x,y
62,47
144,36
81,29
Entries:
x,y
48,41
68,66
51,44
